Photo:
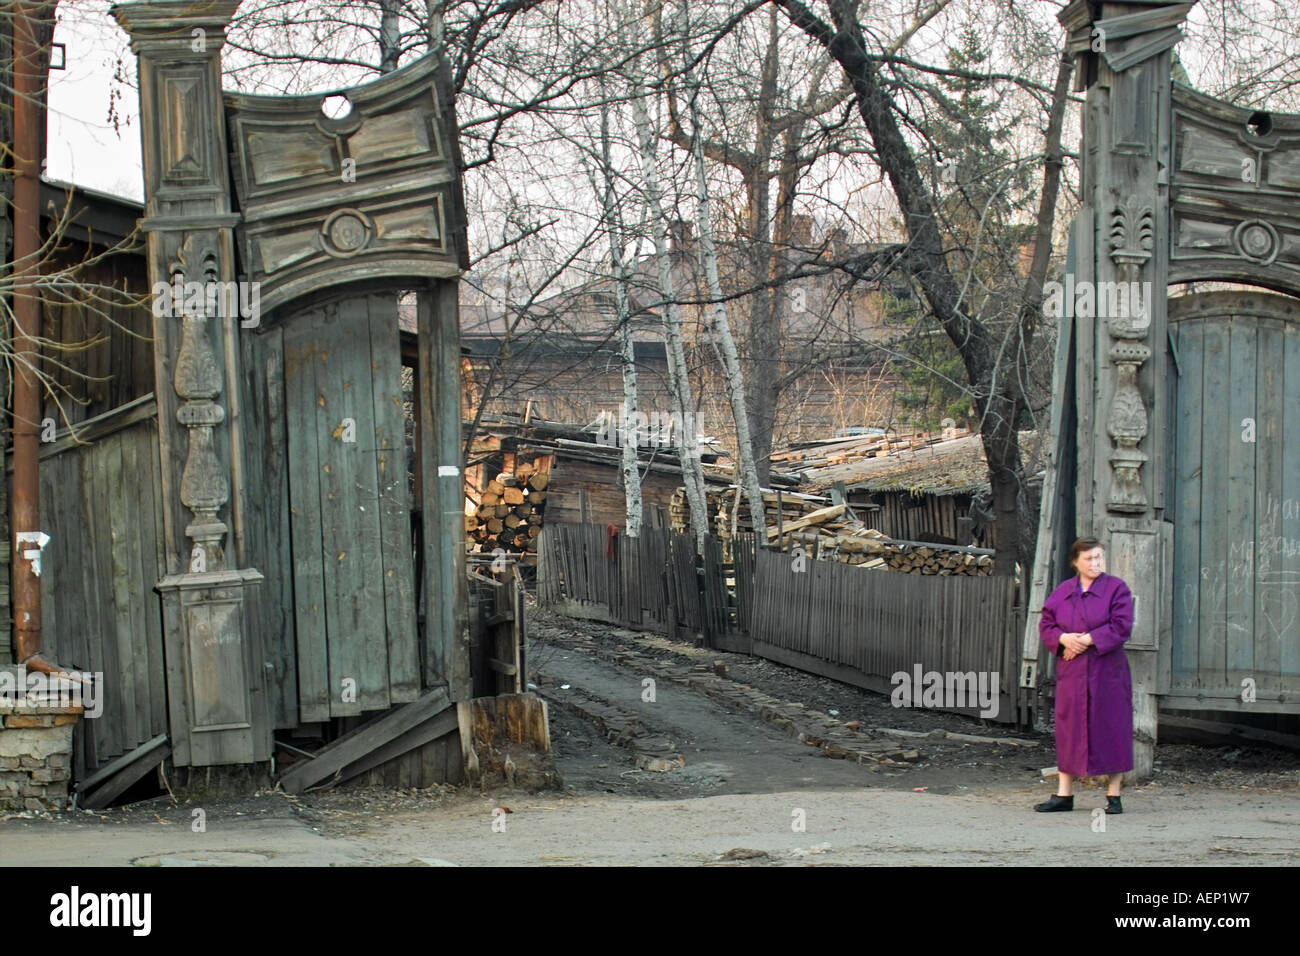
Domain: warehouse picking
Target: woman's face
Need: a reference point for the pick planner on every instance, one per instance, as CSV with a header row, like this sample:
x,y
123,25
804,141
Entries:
x,y
1091,563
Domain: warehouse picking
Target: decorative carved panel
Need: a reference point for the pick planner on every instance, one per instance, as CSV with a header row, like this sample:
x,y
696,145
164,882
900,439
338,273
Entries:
x,y
1133,111
187,138
1235,194
372,194
1134,555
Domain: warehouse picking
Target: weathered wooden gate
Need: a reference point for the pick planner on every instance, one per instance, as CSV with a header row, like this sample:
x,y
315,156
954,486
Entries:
x,y
289,588
1178,418
1235,497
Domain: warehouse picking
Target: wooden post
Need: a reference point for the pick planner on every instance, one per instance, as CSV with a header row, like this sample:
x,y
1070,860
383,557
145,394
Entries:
x,y
1124,59
446,616
215,663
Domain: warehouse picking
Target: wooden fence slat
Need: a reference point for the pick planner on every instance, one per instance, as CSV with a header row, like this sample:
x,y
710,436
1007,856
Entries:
x,y
1217,435
1187,504
1240,524
1288,653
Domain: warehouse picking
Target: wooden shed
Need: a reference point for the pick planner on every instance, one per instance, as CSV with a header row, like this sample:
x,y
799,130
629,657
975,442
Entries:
x,y
917,489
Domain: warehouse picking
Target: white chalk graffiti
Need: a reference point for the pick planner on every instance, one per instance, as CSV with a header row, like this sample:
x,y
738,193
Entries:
x,y
1265,568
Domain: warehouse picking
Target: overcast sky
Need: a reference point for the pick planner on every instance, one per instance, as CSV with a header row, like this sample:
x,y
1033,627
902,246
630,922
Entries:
x,y
85,147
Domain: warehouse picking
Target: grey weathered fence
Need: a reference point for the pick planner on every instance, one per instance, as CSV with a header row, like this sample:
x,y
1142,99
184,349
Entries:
x,y
858,626
652,580
99,608
863,627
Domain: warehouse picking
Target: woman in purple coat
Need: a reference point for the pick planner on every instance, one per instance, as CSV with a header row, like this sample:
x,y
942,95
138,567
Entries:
x,y
1085,623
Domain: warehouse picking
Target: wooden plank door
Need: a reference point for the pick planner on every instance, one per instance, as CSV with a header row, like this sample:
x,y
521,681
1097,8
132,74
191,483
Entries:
x,y
354,595
1236,498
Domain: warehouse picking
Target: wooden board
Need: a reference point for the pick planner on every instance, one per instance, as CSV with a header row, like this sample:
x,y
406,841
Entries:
x,y
340,494
446,653
1190,338
269,511
356,745
394,510
300,360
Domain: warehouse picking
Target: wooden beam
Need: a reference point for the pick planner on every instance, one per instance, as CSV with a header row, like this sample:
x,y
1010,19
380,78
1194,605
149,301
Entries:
x,y
1218,732
427,732
814,517
354,746
117,763
144,759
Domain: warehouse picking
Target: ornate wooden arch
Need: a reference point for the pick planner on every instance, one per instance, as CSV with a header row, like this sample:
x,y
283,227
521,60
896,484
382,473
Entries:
x,y
1177,187
1234,195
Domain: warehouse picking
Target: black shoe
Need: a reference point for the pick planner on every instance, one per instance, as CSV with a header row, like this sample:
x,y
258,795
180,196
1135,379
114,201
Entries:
x,y
1113,805
1057,802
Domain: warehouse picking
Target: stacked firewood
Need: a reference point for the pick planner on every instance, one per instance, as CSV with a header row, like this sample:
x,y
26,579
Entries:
x,y
869,548
509,514
829,532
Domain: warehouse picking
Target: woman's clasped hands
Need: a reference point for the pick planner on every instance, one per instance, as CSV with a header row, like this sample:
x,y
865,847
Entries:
x,y
1075,644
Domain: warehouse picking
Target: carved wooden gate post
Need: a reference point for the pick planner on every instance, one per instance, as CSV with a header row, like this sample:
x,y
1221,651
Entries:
x,y
1122,238
217,712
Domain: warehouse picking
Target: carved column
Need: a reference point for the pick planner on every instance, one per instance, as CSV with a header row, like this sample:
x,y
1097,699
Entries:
x,y
1123,55
213,647
1131,237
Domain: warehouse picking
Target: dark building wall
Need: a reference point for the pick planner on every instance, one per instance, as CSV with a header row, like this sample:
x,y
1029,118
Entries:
x,y
106,354
577,388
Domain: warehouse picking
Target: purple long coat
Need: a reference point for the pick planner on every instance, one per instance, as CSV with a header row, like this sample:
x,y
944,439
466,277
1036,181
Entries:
x,y
1094,692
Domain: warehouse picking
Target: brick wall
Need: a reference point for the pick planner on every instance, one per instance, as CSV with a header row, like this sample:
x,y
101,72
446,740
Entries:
x,y
35,755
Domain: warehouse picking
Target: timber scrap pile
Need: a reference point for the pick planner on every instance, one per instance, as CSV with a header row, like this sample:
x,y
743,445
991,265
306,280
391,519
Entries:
x,y
815,466
829,532
721,502
509,512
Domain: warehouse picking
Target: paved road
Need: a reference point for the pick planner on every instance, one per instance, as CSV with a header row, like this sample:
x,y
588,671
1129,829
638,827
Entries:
x,y
841,827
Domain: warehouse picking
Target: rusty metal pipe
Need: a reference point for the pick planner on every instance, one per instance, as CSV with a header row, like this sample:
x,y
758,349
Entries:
x,y
28,84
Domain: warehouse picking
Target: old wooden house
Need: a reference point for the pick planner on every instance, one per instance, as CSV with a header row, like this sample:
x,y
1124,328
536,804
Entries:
x,y
913,488
559,354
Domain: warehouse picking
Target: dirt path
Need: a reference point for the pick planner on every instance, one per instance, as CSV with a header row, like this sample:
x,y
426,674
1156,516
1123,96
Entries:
x,y
725,752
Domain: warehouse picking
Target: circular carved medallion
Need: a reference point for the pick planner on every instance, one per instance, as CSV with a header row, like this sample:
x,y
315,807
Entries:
x,y
1257,241
346,232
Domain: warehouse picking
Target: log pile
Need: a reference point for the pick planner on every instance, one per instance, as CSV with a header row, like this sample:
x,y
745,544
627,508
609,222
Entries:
x,y
509,513
869,548
829,532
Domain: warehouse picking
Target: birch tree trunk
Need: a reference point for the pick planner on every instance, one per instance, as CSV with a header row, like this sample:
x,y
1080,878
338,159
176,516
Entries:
x,y
747,475
614,224
390,47
679,383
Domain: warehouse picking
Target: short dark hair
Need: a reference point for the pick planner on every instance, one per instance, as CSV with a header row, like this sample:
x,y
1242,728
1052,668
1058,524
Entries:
x,y
1080,546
